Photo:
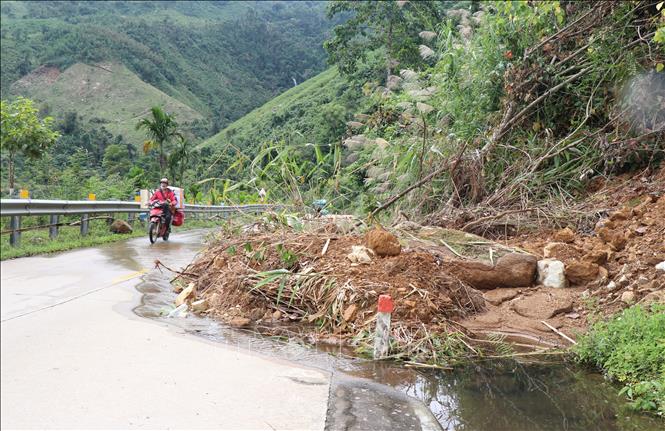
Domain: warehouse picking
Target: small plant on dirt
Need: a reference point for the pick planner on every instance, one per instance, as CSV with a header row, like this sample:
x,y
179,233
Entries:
x,y
287,257
630,348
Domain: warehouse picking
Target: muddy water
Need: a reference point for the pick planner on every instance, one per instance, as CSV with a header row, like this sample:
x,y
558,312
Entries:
x,y
482,396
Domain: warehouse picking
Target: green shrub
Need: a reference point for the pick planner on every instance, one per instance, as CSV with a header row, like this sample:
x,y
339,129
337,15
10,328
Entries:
x,y
630,348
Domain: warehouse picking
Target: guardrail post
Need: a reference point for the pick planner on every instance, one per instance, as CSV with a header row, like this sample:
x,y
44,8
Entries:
x,y
109,221
15,236
84,225
53,229
130,218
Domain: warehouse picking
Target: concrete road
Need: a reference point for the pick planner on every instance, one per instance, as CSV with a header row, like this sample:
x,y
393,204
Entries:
x,y
75,356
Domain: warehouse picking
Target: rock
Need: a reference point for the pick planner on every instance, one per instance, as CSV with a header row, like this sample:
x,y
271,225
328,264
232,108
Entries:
x,y
360,254
580,272
184,295
661,266
511,270
573,315
120,226
382,242
177,288
623,214
543,305
598,255
499,296
628,297
560,251
551,273
565,235
200,306
616,239
277,315
350,313
654,297
611,286
240,322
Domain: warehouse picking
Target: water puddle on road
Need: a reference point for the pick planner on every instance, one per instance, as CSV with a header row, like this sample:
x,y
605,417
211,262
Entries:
x,y
490,395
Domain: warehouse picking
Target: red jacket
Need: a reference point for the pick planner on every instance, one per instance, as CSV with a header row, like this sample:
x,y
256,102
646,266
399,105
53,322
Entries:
x,y
160,195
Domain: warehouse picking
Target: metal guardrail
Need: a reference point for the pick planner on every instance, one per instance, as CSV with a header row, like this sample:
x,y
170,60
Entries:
x,y
36,207
17,208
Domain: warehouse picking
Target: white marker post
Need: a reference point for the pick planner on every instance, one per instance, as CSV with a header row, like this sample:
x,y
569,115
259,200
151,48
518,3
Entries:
x,y
382,335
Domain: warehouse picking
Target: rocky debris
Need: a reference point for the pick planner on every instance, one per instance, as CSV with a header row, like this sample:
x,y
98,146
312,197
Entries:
x,y
382,242
551,273
598,255
499,296
543,304
179,311
565,235
185,294
511,270
661,266
628,297
360,254
654,297
561,251
581,272
615,238
200,306
120,226
240,322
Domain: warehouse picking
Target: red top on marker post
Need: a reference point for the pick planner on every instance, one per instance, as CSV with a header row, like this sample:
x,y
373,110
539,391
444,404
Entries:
x,y
386,304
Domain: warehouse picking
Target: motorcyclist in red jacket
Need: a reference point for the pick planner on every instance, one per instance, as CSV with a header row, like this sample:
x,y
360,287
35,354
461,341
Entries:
x,y
164,194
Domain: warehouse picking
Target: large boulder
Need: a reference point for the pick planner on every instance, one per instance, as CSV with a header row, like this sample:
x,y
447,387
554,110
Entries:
x,y
551,273
511,270
580,272
120,226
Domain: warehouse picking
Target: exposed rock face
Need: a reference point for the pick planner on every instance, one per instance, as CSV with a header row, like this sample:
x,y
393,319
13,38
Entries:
x,y
382,242
120,226
551,273
512,270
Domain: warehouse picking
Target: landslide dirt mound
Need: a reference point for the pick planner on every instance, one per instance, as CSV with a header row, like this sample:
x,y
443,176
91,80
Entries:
x,y
609,267
284,276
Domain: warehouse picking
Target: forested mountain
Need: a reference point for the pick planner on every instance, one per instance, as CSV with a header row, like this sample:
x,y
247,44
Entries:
x,y
222,59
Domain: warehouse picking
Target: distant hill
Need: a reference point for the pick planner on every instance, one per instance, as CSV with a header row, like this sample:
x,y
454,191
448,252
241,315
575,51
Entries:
x,y
107,95
221,58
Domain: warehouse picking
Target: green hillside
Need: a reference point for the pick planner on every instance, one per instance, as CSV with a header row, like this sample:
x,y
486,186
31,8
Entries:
x,y
107,95
221,58
303,114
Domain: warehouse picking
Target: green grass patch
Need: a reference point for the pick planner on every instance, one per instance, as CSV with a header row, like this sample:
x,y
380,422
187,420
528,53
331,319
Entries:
x,y
37,241
630,349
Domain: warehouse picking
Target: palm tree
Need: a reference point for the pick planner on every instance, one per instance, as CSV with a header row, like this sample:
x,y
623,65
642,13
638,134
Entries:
x,y
161,128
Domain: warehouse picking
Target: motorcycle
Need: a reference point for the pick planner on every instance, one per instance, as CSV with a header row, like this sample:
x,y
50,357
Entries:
x,y
158,228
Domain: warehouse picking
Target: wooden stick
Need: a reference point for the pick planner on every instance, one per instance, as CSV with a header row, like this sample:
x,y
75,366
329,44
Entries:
x,y
325,247
450,248
558,332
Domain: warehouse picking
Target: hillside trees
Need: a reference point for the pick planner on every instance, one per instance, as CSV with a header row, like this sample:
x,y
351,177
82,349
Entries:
x,y
387,27
23,132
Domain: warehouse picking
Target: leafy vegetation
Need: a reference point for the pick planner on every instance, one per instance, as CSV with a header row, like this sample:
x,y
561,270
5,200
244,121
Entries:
x,y
23,133
630,349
